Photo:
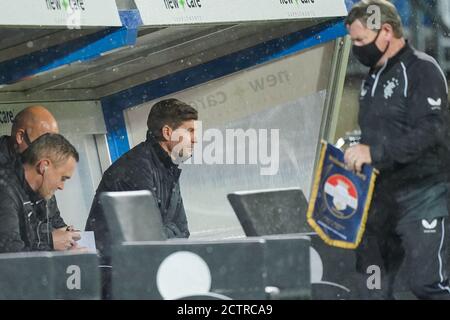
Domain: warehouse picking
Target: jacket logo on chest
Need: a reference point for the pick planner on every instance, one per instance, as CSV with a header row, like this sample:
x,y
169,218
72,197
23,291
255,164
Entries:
x,y
363,89
389,87
363,92
435,104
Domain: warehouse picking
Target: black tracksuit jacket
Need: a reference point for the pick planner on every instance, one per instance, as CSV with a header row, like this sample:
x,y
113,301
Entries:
x,y
403,117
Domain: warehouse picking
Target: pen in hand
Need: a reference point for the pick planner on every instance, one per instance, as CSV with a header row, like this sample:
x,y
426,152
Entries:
x,y
77,235
70,228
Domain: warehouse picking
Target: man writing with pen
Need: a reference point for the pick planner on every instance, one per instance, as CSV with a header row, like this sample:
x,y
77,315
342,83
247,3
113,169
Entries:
x,y
25,189
28,125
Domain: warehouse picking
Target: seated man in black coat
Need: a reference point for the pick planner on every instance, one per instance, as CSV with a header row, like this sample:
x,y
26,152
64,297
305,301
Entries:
x,y
25,189
28,125
151,165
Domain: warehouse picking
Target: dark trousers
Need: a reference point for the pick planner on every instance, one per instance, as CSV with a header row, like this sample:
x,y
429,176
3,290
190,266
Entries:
x,y
396,234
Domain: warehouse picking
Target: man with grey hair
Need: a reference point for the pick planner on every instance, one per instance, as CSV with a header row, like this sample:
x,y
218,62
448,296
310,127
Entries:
x,y
46,165
403,118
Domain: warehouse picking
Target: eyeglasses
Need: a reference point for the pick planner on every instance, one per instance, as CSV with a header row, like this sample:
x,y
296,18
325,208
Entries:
x,y
26,138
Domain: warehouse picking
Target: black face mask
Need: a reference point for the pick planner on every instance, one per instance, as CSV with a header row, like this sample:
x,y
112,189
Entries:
x,y
369,54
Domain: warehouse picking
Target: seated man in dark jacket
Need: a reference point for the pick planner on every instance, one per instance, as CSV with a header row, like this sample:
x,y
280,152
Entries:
x,y
26,187
28,125
151,165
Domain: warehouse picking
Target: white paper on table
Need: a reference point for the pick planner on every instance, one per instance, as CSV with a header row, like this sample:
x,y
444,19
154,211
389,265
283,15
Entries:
x,y
87,240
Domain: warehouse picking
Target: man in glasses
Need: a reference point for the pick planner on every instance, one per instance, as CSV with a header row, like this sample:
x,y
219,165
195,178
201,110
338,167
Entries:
x,y
28,125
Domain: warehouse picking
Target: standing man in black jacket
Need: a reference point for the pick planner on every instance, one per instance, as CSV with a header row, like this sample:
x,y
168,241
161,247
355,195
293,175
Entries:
x,y
28,125
403,119
152,165
24,189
